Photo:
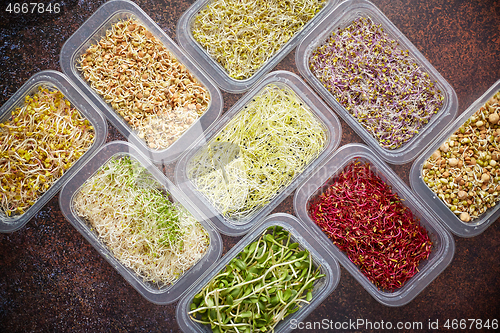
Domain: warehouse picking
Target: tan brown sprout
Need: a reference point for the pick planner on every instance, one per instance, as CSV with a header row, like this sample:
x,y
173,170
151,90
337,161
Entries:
x,y
144,83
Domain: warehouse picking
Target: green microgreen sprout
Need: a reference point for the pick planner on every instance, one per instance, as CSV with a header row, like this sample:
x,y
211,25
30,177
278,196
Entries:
x,y
132,214
266,282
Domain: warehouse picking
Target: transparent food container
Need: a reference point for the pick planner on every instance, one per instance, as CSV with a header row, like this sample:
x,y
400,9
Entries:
x,y
343,16
92,31
443,246
150,291
215,70
228,161
453,222
56,81
299,234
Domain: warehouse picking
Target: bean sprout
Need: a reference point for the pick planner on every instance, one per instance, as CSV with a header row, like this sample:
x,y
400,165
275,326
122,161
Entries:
x,y
464,172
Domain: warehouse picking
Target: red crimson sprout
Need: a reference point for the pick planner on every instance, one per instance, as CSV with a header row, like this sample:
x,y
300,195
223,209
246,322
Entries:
x,y
369,223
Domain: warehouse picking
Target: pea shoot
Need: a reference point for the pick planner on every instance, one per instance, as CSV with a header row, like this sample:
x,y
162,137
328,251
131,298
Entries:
x,y
266,282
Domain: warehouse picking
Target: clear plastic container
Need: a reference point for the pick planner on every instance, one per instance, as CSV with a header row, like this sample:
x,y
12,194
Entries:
x,y
443,247
92,31
215,70
59,81
417,183
300,234
343,16
325,117
151,292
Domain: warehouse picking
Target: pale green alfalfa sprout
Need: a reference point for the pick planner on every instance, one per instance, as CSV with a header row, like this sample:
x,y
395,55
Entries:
x,y
243,35
270,141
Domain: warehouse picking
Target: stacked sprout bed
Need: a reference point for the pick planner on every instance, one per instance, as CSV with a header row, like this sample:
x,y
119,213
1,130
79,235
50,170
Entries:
x,y
464,172
260,151
144,83
243,35
39,142
377,81
132,214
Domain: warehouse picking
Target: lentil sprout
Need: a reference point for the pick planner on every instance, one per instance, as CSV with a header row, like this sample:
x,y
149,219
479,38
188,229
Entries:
x,y
377,82
464,172
258,153
38,143
144,83
242,35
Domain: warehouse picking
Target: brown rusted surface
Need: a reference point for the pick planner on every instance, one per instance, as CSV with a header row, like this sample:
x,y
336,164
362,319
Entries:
x,y
52,279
